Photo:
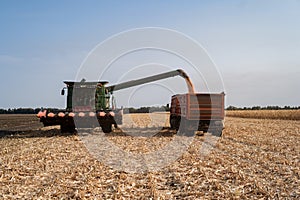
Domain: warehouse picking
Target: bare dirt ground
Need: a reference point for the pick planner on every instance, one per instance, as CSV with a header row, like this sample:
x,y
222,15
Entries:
x,y
255,159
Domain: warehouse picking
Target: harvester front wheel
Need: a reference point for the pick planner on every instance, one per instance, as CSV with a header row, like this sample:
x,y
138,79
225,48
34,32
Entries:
x,y
66,128
106,128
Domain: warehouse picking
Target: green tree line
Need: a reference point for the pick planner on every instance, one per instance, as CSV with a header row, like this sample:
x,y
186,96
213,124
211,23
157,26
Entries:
x,y
126,110
144,109
264,108
25,110
147,109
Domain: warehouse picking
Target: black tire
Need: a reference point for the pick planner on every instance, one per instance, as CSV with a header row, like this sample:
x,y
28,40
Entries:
x,y
217,131
46,124
106,128
174,122
66,128
217,128
203,126
187,127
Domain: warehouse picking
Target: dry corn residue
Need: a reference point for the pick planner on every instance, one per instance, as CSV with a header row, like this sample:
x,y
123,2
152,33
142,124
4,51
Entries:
x,y
255,158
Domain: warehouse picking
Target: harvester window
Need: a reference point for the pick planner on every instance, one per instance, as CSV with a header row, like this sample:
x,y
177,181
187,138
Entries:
x,y
102,97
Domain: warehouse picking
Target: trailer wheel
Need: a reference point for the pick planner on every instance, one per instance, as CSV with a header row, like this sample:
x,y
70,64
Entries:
x,y
187,127
217,132
218,128
174,122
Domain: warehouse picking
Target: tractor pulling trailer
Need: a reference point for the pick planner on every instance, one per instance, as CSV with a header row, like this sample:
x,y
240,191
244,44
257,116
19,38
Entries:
x,y
91,104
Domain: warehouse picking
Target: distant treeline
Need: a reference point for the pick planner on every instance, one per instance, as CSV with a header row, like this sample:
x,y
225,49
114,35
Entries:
x,y
147,109
126,110
25,110
264,108
144,109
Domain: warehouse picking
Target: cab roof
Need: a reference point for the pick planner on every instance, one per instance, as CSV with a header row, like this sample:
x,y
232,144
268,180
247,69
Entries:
x,y
71,83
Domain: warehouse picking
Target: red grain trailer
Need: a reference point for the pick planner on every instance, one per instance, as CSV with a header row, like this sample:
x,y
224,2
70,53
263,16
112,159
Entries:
x,y
197,112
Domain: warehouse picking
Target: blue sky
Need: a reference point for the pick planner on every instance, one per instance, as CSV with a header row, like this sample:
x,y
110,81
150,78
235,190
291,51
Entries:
x,y
255,44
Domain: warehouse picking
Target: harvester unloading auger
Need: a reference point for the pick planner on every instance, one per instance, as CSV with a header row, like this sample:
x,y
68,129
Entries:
x,y
89,105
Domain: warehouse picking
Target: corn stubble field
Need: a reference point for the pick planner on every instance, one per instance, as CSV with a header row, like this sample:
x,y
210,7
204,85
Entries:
x,y
255,158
